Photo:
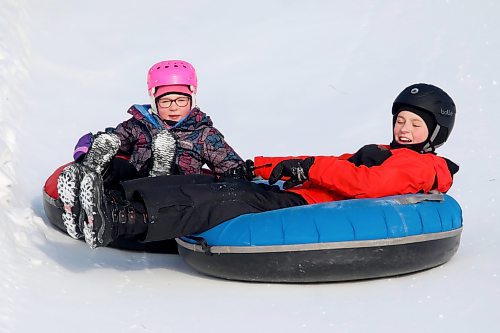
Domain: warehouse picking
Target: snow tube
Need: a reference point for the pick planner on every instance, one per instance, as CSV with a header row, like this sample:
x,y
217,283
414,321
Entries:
x,y
335,241
54,208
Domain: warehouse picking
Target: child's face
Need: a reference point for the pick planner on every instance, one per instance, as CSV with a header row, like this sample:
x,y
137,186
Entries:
x,y
173,107
410,128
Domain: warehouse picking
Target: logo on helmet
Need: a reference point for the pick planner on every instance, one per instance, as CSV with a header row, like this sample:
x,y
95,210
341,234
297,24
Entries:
x,y
447,112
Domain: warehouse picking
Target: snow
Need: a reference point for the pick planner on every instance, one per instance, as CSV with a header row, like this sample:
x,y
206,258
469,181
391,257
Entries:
x,y
277,77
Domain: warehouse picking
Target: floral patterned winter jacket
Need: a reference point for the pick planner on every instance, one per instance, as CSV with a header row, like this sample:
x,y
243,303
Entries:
x,y
198,142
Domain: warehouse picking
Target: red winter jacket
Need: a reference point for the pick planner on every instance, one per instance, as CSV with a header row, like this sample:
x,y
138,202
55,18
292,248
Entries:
x,y
333,178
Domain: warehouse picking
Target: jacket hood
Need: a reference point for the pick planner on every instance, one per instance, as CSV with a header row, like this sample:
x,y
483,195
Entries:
x,y
194,119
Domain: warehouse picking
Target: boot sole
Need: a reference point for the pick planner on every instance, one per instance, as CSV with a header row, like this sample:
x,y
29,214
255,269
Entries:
x,y
68,188
163,151
103,149
92,200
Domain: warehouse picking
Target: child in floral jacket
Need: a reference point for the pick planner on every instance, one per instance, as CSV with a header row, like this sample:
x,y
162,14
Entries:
x,y
169,136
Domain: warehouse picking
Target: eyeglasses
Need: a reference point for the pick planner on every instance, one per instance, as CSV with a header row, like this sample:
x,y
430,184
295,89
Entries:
x,y
181,102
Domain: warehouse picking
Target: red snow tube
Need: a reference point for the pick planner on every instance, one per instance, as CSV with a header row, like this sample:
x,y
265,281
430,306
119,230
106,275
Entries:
x,y
50,187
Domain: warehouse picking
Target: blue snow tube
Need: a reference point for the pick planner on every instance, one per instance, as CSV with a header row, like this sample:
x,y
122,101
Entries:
x,y
335,241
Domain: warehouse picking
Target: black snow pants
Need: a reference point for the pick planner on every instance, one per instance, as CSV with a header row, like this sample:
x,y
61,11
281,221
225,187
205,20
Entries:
x,y
118,170
183,205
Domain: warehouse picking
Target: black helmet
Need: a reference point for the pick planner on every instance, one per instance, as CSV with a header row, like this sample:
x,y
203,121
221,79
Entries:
x,y
434,100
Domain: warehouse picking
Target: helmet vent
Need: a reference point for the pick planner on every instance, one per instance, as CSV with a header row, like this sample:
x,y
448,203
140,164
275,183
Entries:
x,y
414,91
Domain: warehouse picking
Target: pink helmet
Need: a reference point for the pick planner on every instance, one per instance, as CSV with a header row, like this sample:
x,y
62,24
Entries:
x,y
172,72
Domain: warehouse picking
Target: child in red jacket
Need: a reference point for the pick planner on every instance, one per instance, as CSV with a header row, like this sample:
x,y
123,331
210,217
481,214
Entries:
x,y
423,117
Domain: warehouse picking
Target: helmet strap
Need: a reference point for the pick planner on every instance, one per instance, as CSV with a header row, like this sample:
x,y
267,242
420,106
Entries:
x,y
193,101
153,101
429,146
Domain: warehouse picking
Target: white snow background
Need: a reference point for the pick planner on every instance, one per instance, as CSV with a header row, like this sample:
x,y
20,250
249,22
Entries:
x,y
277,77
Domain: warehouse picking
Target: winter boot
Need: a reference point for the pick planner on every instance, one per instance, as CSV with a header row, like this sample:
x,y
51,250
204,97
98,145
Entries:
x,y
68,188
107,217
104,148
163,149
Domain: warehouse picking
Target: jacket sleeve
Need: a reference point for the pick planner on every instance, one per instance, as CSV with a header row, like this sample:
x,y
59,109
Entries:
x,y
218,154
264,165
127,132
397,175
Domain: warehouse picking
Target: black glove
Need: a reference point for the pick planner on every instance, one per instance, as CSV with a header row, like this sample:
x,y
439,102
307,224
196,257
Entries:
x,y
370,155
244,171
248,170
296,169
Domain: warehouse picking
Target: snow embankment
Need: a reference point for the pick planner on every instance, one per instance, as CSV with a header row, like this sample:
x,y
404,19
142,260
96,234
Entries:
x,y
18,223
